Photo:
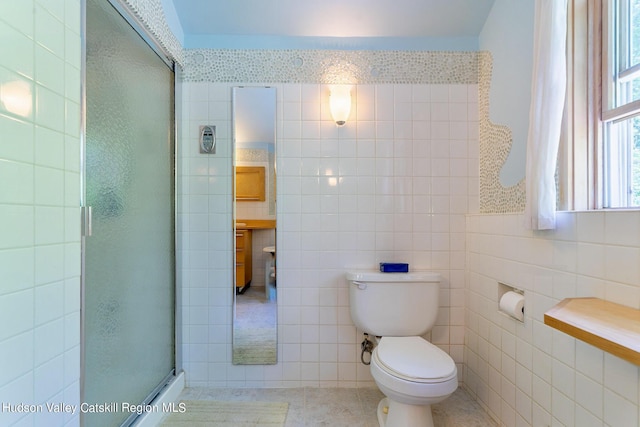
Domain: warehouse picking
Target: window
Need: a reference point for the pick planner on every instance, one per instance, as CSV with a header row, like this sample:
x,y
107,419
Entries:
x,y
621,104
600,163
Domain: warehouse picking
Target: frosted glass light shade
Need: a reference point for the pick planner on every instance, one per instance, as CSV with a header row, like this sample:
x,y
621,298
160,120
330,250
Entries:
x,y
15,97
340,103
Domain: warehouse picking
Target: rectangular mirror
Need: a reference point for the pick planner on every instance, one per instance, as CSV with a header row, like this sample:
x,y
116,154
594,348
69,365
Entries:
x,y
255,308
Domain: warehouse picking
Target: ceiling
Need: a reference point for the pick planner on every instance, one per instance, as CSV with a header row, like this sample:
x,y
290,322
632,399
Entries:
x,y
333,18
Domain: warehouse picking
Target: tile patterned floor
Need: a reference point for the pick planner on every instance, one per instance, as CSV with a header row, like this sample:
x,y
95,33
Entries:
x,y
336,407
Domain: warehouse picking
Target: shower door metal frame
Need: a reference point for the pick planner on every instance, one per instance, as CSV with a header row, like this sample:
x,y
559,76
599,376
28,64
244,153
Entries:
x,y
85,211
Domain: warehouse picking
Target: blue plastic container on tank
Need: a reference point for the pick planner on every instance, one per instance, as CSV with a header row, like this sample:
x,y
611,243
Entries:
x,y
394,267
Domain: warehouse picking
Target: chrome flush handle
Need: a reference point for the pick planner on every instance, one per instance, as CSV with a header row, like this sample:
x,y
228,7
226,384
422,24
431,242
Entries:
x,y
360,285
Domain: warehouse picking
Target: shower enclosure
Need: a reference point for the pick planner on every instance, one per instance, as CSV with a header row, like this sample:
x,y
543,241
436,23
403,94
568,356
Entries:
x,y
129,238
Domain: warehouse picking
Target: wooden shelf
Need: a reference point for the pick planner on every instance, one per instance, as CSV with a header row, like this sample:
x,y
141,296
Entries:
x,y
611,327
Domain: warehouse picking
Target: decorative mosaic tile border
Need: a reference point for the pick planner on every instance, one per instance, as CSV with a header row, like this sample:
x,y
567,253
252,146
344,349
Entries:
x,y
151,14
495,145
361,67
354,67
329,66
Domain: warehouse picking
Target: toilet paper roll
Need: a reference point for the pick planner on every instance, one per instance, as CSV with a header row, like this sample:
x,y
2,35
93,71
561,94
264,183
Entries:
x,y
512,303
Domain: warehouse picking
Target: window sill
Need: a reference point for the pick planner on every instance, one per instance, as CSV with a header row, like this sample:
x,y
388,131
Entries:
x,y
603,210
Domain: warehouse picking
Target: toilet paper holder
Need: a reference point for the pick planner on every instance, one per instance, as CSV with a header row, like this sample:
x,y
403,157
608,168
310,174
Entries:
x,y
511,302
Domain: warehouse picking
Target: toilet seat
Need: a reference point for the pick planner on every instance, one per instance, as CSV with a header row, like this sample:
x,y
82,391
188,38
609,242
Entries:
x,y
414,359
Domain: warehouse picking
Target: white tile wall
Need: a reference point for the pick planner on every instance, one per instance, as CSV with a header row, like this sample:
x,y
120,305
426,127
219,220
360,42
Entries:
x,y
39,207
393,184
529,374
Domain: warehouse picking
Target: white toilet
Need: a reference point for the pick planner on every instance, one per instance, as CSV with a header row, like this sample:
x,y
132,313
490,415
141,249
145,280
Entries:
x,y
270,274
411,372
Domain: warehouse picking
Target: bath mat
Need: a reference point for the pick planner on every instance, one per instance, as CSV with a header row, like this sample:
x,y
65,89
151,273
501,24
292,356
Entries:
x,y
214,413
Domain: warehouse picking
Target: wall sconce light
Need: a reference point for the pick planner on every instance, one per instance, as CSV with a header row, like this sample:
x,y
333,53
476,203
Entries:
x,y
340,103
15,97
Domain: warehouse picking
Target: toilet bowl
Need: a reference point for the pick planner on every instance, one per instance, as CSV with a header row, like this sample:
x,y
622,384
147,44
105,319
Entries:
x,y
413,374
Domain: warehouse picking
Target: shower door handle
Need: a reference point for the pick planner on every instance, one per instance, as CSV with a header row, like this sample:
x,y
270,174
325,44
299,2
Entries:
x,y
86,221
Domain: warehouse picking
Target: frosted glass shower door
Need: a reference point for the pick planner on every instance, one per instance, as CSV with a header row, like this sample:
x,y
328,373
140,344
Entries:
x,y
129,258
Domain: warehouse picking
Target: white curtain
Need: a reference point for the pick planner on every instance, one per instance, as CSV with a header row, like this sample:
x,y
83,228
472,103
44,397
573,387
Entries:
x,y
548,86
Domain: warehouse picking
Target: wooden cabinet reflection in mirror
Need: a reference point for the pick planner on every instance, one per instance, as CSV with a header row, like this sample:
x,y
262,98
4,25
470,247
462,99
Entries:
x,y
244,260
250,184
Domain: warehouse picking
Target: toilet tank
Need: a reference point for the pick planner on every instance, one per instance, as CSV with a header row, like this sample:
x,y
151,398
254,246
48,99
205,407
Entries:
x,y
393,304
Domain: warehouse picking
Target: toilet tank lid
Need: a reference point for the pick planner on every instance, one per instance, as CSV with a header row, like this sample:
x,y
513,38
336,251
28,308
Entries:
x,y
376,276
